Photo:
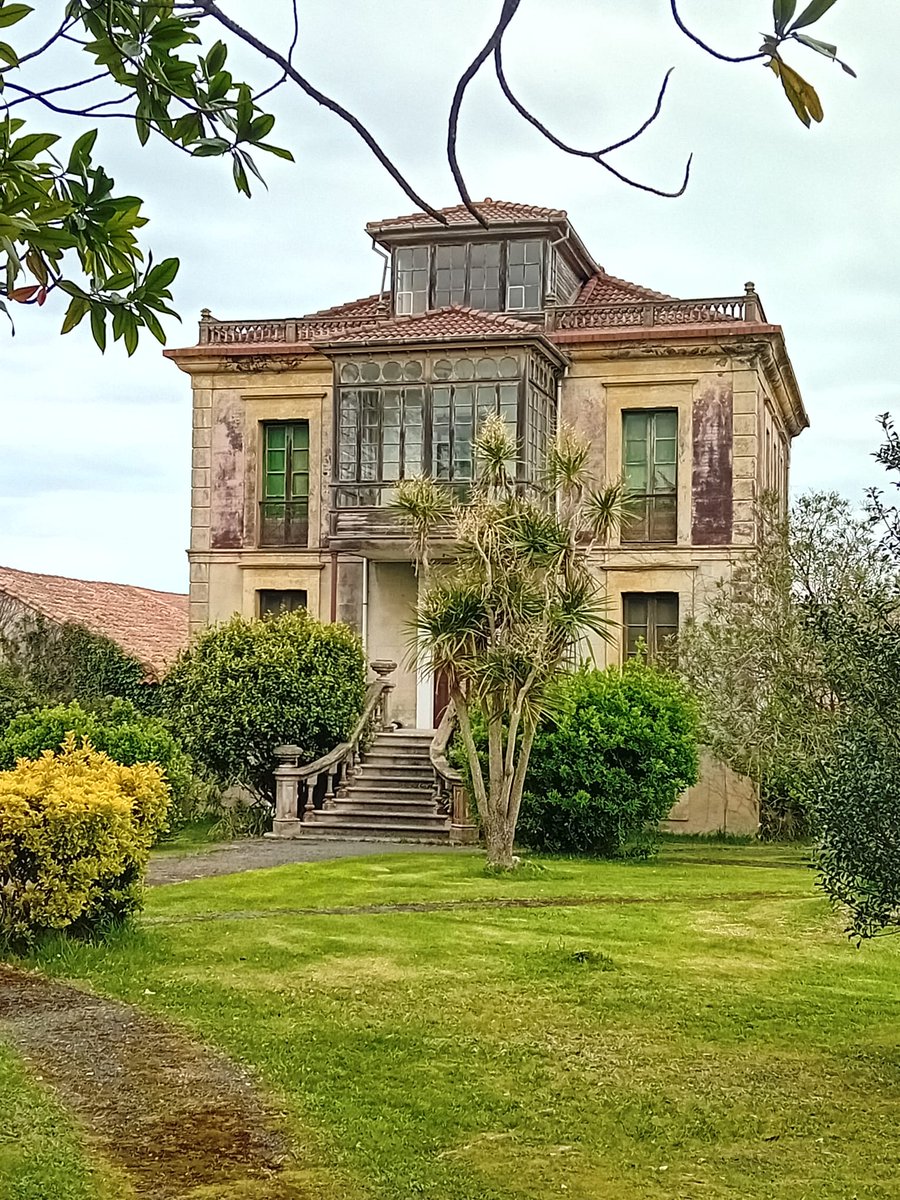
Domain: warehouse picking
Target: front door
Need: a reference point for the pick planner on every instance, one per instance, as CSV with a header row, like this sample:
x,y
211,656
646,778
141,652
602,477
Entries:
x,y
441,696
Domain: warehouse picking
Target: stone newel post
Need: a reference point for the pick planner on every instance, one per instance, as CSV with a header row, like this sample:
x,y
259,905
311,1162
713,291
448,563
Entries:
x,y
382,668
287,793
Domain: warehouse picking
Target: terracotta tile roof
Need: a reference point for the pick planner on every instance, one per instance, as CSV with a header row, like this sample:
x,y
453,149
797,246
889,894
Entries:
x,y
366,306
497,211
603,288
151,626
452,323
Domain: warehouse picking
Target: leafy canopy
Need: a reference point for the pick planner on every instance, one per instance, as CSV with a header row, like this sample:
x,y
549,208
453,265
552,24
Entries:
x,y
247,686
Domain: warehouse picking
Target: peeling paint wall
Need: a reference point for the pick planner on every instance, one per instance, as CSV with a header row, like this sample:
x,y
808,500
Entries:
x,y
712,494
227,499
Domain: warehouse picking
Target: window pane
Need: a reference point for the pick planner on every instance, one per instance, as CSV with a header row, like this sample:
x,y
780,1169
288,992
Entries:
x,y
275,437
273,602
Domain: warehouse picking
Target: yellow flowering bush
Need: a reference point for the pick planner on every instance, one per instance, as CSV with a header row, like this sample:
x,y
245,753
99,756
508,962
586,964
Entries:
x,y
75,833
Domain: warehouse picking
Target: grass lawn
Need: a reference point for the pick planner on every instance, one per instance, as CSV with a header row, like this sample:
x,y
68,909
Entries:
x,y
705,1030
41,1156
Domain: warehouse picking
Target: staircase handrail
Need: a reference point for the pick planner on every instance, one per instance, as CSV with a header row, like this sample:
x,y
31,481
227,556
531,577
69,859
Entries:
x,y
338,764
437,750
374,693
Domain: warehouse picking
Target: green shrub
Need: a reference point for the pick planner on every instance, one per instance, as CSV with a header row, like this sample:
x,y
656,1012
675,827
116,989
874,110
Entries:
x,y
620,750
245,687
66,662
117,728
15,696
75,832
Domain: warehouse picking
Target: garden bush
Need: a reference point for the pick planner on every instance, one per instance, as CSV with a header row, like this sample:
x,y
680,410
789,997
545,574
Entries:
x,y
610,764
247,686
59,663
15,696
120,730
75,832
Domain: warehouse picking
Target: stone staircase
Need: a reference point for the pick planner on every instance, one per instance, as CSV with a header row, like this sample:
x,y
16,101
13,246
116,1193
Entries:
x,y
389,798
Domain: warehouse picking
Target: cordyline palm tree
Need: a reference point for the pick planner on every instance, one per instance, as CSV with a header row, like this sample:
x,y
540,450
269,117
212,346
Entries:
x,y
504,617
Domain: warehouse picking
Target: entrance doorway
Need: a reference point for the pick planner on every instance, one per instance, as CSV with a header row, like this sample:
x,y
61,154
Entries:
x,y
441,696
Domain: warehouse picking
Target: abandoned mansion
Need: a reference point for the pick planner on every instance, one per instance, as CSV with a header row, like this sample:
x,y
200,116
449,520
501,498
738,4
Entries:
x,y
302,427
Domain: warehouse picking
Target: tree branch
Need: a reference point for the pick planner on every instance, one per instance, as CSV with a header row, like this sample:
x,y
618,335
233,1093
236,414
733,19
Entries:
x,y
596,156
213,10
506,15
709,50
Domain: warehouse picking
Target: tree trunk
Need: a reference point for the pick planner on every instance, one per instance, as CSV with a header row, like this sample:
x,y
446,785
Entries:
x,y
498,842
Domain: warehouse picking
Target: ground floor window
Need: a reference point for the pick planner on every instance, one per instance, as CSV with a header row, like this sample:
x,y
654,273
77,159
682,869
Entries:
x,y
272,601
650,621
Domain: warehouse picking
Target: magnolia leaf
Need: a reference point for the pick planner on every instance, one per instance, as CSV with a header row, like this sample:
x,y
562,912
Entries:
x,y
11,13
802,95
783,10
825,48
813,12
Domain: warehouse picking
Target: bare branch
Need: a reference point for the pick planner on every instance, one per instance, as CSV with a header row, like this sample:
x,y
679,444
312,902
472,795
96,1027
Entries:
x,y
596,156
213,10
709,50
506,15
290,56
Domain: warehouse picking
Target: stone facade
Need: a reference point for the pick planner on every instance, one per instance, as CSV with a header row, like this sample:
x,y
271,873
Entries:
x,y
719,365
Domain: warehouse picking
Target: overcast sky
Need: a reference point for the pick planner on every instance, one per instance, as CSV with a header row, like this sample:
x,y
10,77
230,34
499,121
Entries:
x,y
94,450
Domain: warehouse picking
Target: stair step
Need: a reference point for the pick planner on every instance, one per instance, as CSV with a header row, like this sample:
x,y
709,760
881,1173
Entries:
x,y
393,807
397,754
361,832
342,816
390,779
411,740
377,773
385,793
335,821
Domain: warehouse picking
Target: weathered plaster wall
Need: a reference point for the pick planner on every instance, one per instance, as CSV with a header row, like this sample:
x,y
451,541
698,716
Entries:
x,y
720,802
392,600
712,483
227,463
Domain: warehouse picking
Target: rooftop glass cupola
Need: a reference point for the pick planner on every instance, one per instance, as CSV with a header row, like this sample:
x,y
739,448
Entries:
x,y
524,259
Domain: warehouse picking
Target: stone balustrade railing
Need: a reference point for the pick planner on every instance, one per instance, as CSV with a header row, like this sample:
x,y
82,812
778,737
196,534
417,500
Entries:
x,y
450,792
298,787
746,308
648,313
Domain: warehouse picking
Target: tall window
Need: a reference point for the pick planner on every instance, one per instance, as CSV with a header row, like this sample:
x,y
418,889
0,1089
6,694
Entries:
x,y
649,465
412,279
398,417
451,275
523,276
474,389
650,620
284,507
273,601
488,275
484,276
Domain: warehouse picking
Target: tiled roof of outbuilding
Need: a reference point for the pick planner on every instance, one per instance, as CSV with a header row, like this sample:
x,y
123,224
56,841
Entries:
x,y
151,626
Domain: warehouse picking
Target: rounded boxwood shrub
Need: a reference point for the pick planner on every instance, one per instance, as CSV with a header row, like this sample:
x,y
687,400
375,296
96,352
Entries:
x,y
620,749
75,832
247,686
119,729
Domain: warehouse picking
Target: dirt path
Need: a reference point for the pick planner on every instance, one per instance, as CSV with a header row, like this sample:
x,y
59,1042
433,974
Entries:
x,y
253,854
170,1113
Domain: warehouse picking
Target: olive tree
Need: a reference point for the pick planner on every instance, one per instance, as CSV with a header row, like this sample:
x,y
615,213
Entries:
x,y
503,617
757,661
